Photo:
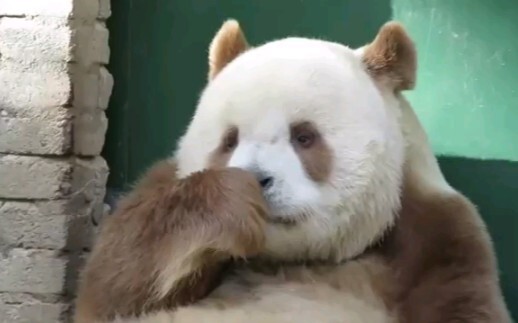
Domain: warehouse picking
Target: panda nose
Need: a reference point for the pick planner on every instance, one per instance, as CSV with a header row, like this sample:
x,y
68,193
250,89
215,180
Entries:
x,y
265,181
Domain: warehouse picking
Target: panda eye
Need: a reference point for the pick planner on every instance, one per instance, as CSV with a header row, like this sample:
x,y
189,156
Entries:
x,y
305,140
231,140
303,135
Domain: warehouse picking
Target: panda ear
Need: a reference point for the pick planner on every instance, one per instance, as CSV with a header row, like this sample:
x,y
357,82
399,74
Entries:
x,y
228,43
391,58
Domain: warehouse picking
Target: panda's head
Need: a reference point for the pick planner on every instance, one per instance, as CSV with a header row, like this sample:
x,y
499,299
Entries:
x,y
318,123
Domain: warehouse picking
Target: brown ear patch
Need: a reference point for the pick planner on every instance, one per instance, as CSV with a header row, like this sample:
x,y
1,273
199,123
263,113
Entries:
x,y
392,57
228,43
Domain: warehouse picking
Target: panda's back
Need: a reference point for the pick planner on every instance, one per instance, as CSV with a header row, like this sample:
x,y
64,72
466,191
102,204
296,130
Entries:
x,y
355,292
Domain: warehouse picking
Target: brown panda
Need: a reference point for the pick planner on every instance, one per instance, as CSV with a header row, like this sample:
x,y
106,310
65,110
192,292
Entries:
x,y
304,190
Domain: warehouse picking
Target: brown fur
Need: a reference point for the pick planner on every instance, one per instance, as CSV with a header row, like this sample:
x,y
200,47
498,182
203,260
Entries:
x,y
392,57
219,159
440,252
436,265
221,155
228,43
443,261
202,221
354,291
318,158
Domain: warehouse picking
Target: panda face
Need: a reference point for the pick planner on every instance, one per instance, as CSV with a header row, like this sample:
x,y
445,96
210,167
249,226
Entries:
x,y
322,138
291,161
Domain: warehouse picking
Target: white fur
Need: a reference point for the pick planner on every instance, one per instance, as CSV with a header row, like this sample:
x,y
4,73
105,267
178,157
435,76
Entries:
x,y
420,161
295,79
261,93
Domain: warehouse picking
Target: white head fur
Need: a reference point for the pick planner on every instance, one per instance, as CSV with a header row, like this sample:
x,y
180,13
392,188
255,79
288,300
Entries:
x,y
352,100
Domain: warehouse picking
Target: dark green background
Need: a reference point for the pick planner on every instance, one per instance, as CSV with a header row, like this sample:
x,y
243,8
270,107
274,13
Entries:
x,y
469,106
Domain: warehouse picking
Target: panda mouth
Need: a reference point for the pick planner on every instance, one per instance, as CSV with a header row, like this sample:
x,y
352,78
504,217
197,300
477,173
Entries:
x,y
285,220
286,216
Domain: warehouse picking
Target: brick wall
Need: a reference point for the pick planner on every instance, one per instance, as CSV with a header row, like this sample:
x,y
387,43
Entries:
x,y
53,92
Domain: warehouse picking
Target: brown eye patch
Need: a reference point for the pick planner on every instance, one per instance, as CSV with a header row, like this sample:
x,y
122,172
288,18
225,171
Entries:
x,y
314,153
303,135
220,156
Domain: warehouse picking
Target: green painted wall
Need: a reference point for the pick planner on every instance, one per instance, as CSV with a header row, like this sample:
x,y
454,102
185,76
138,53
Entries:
x,y
492,186
465,95
159,59
467,99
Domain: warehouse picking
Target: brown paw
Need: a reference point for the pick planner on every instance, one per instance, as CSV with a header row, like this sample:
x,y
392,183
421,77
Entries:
x,y
232,210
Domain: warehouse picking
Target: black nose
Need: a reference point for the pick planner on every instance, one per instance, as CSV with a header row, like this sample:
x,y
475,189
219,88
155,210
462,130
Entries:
x,y
266,182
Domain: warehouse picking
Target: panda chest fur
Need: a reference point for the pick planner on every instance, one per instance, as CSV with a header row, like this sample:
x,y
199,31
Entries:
x,y
353,292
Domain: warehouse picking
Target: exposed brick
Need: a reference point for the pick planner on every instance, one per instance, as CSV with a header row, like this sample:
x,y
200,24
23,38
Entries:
x,y
29,41
48,132
86,9
81,229
86,86
30,177
54,224
105,88
61,224
35,224
92,87
104,9
39,86
27,308
59,8
91,43
50,8
89,186
52,52
100,217
89,178
32,271
76,262
89,132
